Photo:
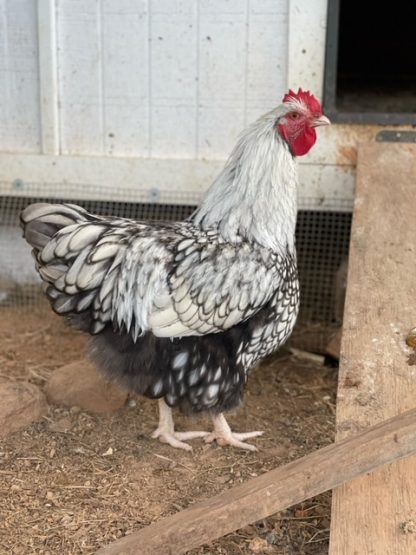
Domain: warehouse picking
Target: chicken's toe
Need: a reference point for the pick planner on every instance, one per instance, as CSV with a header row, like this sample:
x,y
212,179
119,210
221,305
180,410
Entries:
x,y
223,435
246,435
171,439
190,435
165,432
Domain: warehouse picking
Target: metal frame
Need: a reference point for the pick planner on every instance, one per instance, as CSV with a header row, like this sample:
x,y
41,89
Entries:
x,y
330,82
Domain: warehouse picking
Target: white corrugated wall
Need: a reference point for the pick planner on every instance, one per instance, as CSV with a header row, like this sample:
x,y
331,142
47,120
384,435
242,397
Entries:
x,y
19,77
97,96
142,100
145,78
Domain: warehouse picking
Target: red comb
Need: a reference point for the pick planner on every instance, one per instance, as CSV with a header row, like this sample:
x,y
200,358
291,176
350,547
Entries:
x,y
307,98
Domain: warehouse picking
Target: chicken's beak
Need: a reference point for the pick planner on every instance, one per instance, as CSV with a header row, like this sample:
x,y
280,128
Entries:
x,y
322,120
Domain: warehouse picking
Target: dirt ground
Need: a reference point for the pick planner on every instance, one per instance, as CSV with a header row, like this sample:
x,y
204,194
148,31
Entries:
x,y
76,481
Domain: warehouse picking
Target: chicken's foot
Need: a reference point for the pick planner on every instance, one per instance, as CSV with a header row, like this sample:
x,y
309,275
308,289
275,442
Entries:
x,y
223,435
165,432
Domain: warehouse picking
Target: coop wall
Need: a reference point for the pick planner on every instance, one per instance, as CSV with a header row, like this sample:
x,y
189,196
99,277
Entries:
x,y
143,78
130,107
165,80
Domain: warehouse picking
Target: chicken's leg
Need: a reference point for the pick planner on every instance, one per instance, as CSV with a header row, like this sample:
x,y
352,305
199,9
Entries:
x,y
165,432
223,435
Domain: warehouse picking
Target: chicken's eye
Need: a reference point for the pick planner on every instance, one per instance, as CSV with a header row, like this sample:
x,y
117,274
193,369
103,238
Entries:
x,y
294,115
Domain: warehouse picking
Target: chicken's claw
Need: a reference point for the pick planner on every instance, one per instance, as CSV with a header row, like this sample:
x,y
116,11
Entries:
x,y
175,438
166,433
223,435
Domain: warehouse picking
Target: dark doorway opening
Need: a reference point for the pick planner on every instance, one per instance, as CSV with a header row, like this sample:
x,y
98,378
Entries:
x,y
370,67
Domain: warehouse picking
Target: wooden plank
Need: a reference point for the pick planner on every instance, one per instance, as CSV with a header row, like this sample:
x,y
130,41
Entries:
x,y
48,76
378,376
275,490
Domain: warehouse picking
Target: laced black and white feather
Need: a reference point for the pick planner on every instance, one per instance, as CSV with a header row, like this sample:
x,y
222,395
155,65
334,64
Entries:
x,y
171,279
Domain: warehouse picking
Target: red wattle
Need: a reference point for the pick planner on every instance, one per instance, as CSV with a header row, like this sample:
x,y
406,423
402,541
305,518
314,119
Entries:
x,y
304,142
301,143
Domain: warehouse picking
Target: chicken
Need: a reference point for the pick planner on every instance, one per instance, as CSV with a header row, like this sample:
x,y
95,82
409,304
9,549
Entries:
x,y
182,312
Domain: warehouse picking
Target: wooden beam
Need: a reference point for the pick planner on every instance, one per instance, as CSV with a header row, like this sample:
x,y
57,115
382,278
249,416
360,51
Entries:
x,y
273,491
377,513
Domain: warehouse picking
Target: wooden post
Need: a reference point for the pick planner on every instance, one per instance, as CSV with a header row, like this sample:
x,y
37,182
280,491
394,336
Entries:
x,y
273,491
376,514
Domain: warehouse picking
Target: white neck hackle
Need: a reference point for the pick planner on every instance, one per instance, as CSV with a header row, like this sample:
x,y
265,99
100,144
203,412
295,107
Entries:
x,y
255,195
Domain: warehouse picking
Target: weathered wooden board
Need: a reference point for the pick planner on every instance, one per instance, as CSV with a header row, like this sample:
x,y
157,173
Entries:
x,y
374,514
275,490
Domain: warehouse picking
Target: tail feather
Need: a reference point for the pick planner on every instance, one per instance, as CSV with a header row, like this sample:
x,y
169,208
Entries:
x,y
62,237
99,271
41,221
38,236
39,210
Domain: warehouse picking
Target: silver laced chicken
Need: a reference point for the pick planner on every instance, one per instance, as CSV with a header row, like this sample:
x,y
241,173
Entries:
x,y
182,312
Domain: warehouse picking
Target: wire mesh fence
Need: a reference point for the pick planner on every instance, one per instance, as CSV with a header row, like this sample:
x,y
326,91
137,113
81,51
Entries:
x,y
322,239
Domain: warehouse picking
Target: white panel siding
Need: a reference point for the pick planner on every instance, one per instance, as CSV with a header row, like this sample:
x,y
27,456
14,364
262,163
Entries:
x,y
150,95
125,73
243,50
167,78
141,78
48,76
138,179
222,77
80,76
19,90
267,56
306,44
173,80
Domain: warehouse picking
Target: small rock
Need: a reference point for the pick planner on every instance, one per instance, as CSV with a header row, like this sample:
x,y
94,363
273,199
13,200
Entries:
x,y
408,527
260,546
80,384
301,513
21,404
411,339
62,425
272,538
